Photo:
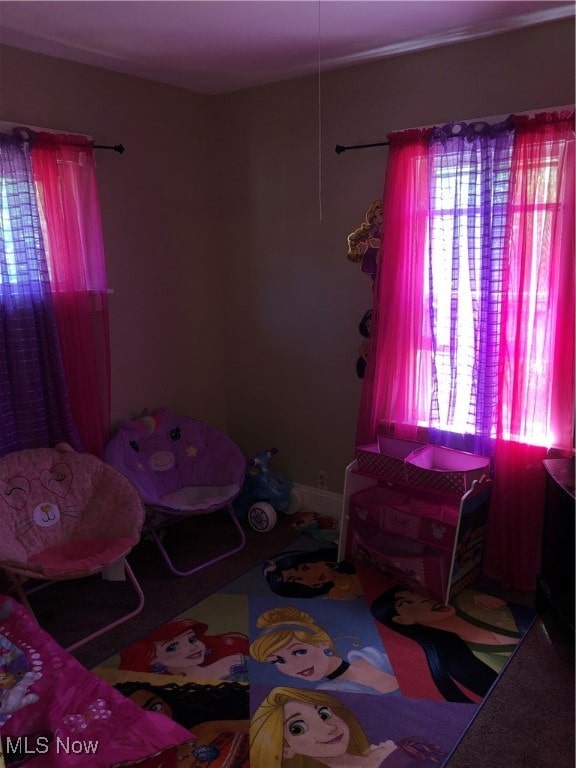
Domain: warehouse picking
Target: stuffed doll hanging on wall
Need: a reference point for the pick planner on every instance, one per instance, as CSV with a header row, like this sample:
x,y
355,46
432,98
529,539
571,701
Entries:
x,y
364,246
364,328
364,242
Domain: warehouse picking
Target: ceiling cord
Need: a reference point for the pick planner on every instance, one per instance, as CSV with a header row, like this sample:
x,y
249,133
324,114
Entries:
x,y
319,119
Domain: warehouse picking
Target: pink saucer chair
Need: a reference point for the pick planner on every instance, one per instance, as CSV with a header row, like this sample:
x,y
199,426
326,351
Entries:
x,y
181,467
66,515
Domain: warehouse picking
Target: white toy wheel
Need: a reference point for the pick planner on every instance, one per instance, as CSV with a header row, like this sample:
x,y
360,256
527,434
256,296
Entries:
x,y
262,516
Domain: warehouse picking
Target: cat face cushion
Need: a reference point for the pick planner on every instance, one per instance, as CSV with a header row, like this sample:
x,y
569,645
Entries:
x,y
69,505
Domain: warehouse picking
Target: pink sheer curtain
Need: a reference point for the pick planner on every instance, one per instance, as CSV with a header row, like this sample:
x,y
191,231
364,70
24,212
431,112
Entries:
x,y
396,370
536,387
65,179
535,360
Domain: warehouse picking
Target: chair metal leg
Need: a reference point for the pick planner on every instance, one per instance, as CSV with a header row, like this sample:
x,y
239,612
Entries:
x,y
18,589
122,619
22,595
206,563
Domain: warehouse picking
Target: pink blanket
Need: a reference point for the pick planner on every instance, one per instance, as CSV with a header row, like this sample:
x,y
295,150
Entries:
x,y
56,714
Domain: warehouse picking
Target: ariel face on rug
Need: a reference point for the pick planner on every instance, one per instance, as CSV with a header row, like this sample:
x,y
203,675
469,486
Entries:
x,y
184,647
306,662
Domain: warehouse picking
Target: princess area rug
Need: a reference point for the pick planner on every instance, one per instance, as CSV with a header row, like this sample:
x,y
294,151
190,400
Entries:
x,y
306,662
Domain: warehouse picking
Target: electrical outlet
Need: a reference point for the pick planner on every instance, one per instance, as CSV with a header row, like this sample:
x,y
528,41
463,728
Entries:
x,y
322,478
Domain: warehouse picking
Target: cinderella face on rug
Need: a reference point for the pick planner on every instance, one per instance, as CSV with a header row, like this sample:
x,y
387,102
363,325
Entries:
x,y
296,646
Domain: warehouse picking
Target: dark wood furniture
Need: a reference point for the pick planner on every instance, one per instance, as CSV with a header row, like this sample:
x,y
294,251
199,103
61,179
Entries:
x,y
556,580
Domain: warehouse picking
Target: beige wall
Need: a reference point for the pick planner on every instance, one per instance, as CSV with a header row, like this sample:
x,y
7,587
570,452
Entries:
x,y
234,300
159,222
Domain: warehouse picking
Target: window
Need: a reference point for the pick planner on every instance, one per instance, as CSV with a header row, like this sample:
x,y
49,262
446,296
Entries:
x,y
472,332
485,333
54,349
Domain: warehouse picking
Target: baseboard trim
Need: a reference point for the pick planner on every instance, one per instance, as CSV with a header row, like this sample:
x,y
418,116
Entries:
x,y
319,500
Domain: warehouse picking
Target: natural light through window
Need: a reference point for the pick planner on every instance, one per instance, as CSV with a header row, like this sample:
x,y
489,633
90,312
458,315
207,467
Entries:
x,y
7,240
459,229
454,282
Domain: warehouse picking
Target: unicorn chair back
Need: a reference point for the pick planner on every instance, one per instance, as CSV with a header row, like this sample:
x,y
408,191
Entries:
x,y
181,467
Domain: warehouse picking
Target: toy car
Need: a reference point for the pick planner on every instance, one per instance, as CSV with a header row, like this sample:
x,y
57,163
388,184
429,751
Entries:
x,y
265,493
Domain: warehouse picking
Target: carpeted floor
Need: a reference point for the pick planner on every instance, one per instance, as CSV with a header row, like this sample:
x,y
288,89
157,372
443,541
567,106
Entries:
x,y
528,719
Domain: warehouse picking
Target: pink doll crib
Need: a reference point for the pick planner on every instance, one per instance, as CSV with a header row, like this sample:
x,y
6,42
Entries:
x,y
181,467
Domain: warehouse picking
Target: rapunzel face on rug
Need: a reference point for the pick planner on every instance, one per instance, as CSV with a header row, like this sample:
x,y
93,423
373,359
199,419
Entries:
x,y
315,731
294,727
183,647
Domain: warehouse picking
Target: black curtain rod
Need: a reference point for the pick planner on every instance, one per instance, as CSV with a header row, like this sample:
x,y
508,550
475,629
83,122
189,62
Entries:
x,y
339,148
117,147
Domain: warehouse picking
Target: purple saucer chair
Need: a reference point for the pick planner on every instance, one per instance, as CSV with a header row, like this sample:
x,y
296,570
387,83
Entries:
x,y
181,467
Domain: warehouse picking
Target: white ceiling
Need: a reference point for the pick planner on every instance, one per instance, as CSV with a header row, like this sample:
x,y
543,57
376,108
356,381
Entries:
x,y
219,46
